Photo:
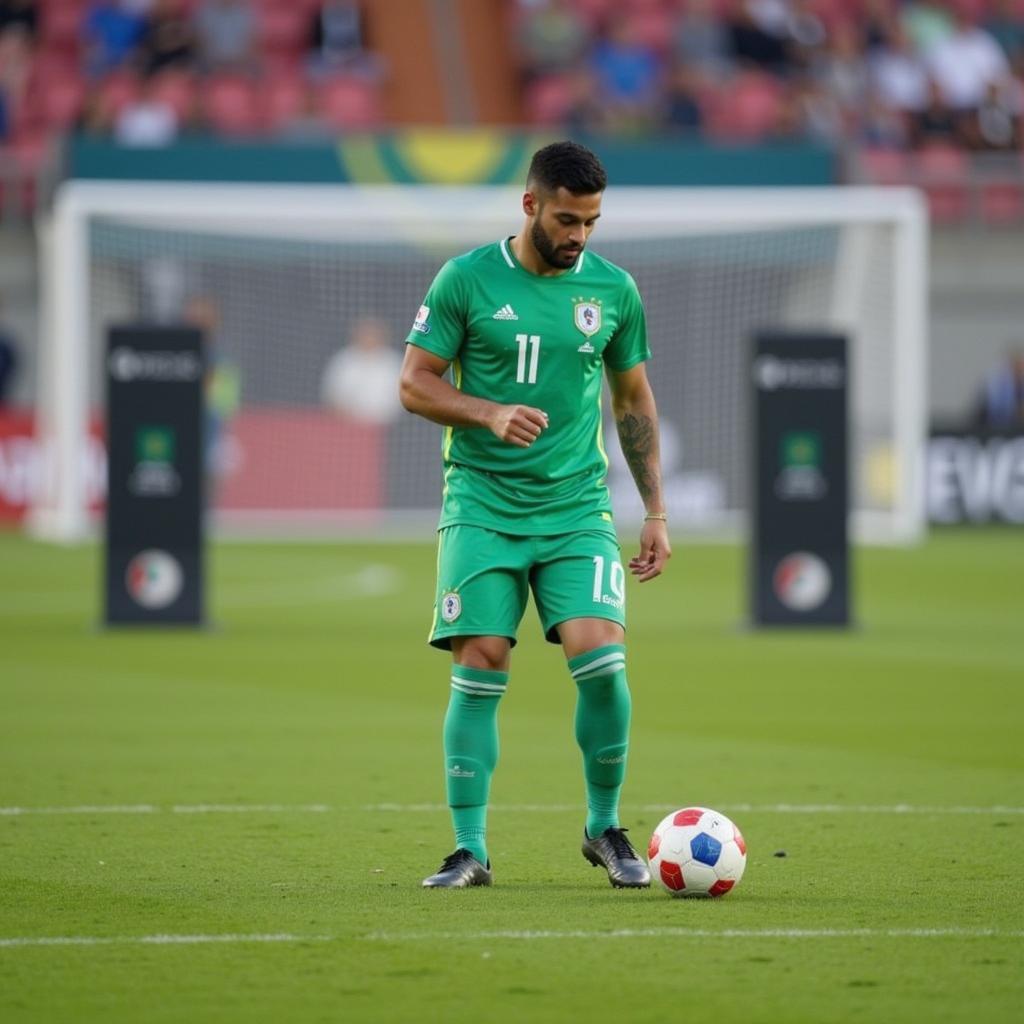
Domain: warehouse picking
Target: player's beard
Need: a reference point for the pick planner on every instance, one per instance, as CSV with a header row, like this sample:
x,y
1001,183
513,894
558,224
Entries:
x,y
553,255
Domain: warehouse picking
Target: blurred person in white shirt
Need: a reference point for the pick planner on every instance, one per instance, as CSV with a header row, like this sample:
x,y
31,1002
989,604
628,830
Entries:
x,y
361,379
967,62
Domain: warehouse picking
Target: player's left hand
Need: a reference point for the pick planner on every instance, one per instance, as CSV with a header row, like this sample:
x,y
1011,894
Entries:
x,y
655,551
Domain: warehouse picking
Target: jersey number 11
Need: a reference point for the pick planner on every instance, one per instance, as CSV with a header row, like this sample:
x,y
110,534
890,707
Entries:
x,y
531,341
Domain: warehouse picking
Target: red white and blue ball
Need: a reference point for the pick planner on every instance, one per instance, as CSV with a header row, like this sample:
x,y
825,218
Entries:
x,y
696,851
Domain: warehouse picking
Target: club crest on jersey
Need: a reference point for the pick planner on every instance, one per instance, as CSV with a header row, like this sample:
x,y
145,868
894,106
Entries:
x,y
587,316
451,606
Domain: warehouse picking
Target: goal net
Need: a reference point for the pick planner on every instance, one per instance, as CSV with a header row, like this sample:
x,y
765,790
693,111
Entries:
x,y
306,294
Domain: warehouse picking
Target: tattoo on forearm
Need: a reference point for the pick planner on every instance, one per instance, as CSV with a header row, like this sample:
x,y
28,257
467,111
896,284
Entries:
x,y
638,438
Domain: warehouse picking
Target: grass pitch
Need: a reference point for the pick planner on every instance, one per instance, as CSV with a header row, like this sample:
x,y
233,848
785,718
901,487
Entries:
x,y
232,825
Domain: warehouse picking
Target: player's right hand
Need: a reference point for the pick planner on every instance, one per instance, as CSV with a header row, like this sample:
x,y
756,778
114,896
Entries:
x,y
520,425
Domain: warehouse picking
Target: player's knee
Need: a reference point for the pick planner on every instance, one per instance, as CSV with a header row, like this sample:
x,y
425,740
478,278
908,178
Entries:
x,y
579,636
486,652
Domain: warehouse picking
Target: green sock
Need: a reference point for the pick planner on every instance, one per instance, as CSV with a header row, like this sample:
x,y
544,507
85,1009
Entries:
x,y
471,752
602,730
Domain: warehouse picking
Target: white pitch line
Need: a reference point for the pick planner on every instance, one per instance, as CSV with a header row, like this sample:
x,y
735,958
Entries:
x,y
250,809
174,809
483,936
432,808
83,809
154,940
702,933
732,808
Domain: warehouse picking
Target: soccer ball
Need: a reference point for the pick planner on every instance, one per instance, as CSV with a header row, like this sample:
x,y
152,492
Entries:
x,y
697,852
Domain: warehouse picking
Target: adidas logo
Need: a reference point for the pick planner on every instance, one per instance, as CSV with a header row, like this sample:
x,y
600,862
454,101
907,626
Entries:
x,y
585,347
505,313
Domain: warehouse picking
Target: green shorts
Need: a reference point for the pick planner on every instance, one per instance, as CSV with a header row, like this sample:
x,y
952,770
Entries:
x,y
484,579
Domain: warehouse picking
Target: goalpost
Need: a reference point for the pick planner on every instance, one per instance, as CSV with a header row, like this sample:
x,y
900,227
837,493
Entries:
x,y
291,270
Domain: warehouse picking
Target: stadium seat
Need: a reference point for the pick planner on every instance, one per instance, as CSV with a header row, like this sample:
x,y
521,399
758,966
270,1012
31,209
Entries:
x,y
654,27
884,166
177,88
1002,202
113,93
944,174
746,109
284,99
283,29
60,27
548,99
231,106
593,11
346,102
55,100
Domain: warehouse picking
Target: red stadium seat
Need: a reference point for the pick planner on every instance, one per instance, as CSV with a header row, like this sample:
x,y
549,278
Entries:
x,y
114,93
284,98
347,102
1002,202
549,99
885,166
177,88
55,99
944,174
746,109
283,30
60,27
231,106
654,27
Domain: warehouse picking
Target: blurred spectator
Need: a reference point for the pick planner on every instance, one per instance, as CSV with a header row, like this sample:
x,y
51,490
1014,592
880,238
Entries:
x,y
995,125
702,40
883,127
146,121
15,70
752,44
584,112
936,124
1000,404
222,390
112,32
927,24
805,32
899,79
552,37
225,35
168,40
361,379
8,363
682,106
1005,23
336,41
810,111
878,18
21,14
628,75
842,72
966,63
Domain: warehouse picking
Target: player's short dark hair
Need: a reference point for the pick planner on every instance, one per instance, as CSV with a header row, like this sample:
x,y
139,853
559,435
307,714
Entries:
x,y
567,165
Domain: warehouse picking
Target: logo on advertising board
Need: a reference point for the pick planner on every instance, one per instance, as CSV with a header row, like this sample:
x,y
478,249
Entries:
x,y
774,372
802,581
155,475
800,477
154,578
130,364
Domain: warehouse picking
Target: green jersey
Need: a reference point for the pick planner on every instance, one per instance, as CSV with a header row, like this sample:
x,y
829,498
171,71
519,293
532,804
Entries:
x,y
515,337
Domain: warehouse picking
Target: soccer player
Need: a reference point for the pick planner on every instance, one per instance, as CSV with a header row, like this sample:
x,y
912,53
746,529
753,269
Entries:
x,y
528,326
